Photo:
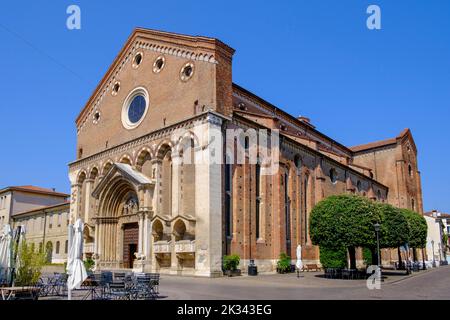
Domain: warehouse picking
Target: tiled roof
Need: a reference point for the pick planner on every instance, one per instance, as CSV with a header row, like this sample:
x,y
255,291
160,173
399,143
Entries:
x,y
38,209
378,144
35,189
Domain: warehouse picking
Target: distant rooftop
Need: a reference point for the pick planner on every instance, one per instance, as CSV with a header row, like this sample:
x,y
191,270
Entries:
x,y
35,189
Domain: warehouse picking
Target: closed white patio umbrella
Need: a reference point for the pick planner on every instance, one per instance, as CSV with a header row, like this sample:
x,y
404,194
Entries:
x,y
299,263
75,266
5,251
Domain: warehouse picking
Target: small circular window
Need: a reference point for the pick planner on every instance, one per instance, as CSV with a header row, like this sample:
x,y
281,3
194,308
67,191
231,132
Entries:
x,y
159,64
115,88
96,117
187,71
135,108
137,59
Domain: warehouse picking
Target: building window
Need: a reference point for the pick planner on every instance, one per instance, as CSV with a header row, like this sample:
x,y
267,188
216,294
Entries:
x,y
137,59
298,163
333,176
379,195
409,170
115,88
258,200
187,71
159,64
228,199
287,207
57,247
66,246
59,220
358,186
96,117
135,108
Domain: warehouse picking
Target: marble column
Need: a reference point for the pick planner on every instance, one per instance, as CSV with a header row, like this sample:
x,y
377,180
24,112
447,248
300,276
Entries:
x,y
89,183
156,175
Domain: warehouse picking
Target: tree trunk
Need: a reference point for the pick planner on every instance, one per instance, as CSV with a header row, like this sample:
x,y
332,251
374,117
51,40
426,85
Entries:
x,y
374,256
352,256
400,263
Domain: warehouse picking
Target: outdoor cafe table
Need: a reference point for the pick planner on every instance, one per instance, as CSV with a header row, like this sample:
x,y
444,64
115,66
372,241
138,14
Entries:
x,y
9,292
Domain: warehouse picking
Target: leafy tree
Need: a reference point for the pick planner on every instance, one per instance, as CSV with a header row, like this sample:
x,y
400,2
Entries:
x,y
418,230
333,257
344,220
394,228
29,264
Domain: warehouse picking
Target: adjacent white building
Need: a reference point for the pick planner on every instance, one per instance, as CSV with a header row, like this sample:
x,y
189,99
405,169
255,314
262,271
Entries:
x,y
438,224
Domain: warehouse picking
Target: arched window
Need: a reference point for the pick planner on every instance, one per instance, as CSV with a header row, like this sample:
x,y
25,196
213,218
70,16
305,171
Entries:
x,y
228,199
57,247
298,163
258,199
305,210
333,176
410,170
287,207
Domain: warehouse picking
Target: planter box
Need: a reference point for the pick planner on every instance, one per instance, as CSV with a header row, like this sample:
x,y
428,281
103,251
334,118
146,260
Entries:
x,y
232,273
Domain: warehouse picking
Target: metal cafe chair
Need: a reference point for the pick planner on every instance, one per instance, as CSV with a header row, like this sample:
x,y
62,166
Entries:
x,y
154,281
117,291
143,288
119,276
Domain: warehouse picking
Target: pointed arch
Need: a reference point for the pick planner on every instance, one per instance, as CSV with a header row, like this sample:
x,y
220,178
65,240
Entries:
x,y
127,159
107,166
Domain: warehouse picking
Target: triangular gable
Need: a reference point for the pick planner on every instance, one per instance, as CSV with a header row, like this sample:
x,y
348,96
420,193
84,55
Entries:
x,y
196,47
133,176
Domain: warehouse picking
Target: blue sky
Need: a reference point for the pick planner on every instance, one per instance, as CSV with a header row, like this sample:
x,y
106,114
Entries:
x,y
312,58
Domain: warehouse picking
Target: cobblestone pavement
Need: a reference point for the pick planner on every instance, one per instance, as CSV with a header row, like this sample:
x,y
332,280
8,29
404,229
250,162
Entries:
x,y
431,284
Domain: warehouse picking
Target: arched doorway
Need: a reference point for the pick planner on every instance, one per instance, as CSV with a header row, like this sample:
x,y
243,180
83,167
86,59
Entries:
x,y
124,196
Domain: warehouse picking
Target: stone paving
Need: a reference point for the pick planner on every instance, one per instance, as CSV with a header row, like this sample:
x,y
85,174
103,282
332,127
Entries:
x,y
430,284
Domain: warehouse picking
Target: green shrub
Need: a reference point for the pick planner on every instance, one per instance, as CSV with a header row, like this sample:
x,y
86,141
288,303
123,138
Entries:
x,y
89,264
231,262
284,263
333,257
29,264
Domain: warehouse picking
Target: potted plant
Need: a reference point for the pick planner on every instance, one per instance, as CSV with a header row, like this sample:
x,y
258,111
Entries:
x,y
284,263
230,264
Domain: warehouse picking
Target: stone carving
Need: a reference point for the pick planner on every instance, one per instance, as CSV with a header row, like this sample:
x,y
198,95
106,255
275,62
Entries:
x,y
130,207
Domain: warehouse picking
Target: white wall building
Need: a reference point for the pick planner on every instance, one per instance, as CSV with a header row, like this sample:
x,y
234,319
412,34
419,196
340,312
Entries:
x,y
438,224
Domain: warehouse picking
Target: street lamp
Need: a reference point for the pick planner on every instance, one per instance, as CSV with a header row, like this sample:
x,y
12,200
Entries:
x,y
432,249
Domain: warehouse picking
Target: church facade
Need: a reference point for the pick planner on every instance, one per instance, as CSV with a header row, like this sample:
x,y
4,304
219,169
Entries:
x,y
177,166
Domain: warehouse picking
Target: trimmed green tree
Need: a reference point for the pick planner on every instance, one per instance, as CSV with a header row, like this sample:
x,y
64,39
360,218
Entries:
x,y
394,228
344,220
333,257
417,230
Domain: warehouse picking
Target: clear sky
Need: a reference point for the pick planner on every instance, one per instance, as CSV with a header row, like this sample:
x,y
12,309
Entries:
x,y
313,58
